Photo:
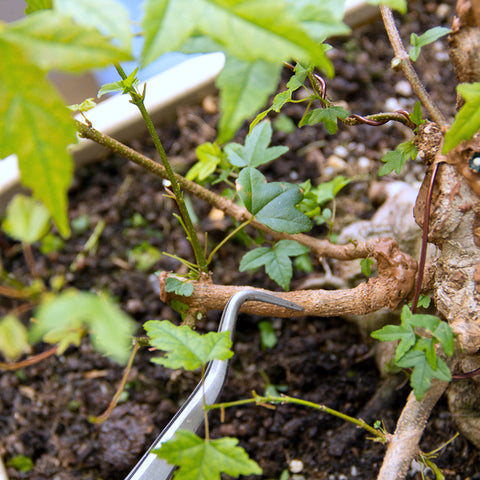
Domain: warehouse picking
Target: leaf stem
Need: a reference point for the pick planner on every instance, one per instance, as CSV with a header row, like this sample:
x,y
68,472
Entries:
x,y
227,238
378,119
259,400
407,67
137,100
29,361
425,229
113,403
29,258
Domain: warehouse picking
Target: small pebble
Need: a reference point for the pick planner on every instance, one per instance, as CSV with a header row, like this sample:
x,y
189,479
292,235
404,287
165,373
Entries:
x,y
441,53
443,11
209,104
340,151
403,88
134,305
295,466
336,163
364,164
392,104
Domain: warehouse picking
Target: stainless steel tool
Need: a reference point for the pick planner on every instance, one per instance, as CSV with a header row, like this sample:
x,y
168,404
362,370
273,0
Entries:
x,y
190,415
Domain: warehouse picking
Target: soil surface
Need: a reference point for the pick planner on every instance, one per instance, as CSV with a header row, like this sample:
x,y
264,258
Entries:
x,y
44,408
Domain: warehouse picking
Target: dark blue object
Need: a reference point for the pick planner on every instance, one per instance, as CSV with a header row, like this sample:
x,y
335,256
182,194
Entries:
x,y
474,162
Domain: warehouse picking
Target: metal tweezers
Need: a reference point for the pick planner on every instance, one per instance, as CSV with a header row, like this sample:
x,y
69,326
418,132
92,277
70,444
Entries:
x,y
190,416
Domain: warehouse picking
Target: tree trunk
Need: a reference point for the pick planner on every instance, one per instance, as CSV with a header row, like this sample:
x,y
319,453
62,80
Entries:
x,y
457,283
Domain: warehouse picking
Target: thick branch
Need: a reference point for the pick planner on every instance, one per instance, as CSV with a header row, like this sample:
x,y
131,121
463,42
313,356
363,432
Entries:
x,y
403,446
393,284
407,68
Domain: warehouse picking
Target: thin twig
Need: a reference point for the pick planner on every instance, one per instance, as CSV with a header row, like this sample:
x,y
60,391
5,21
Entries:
x,y
113,403
353,119
283,399
407,67
12,292
30,360
423,252
30,259
227,238
138,100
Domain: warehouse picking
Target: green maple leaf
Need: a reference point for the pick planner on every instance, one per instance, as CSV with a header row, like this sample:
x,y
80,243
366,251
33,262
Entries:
x,y
26,220
209,157
250,30
185,348
13,338
400,5
322,19
419,353
366,266
244,89
272,203
125,86
467,120
276,260
404,332
256,150
426,38
34,123
34,5
395,160
36,126
199,459
422,373
66,316
53,41
329,116
180,287
324,192
108,16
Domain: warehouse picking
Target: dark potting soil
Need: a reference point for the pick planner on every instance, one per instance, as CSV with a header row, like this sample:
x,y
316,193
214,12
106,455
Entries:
x,y
44,408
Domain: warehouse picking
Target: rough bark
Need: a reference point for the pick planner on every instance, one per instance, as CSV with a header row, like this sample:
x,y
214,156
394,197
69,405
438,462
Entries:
x,y
403,445
454,228
396,276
